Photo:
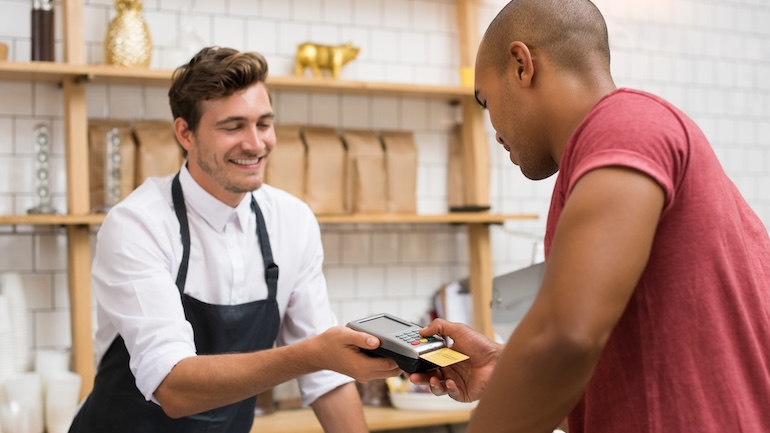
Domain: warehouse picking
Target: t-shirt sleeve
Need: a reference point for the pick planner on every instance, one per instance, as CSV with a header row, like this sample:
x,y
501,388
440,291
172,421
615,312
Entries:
x,y
636,132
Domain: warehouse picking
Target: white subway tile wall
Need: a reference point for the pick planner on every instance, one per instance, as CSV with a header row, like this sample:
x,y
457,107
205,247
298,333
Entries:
x,y
710,57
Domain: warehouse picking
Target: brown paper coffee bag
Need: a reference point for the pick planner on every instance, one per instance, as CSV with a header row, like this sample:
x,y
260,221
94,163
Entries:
x,y
158,153
325,175
113,139
455,171
370,185
366,182
285,167
401,166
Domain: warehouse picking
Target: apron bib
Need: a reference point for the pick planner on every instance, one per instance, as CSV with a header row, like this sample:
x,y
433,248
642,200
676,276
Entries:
x,y
116,405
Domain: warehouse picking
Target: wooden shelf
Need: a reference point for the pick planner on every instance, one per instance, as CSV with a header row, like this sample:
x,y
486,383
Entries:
x,y
328,85
49,72
377,418
105,74
450,218
67,220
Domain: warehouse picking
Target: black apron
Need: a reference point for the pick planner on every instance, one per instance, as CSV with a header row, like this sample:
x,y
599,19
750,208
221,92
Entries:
x,y
116,405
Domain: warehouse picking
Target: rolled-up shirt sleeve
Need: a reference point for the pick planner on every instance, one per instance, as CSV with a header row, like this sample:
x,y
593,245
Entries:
x,y
308,313
134,263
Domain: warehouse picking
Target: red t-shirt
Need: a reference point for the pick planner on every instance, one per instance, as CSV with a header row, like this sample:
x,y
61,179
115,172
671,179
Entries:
x,y
691,352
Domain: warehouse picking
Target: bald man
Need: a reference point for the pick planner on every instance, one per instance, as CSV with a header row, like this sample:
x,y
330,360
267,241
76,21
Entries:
x,y
654,310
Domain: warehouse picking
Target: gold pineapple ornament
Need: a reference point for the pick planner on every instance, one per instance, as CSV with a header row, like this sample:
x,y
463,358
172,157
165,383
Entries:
x,y
128,40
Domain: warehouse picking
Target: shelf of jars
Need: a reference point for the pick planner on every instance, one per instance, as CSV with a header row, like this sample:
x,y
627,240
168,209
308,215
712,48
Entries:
x,y
449,218
54,72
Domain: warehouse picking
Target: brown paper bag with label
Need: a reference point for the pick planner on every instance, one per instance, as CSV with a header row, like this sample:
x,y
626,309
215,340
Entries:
x,y
158,153
455,172
401,166
366,182
325,175
285,167
100,131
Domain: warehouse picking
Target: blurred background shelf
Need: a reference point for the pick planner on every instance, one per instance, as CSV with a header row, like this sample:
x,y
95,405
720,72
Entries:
x,y
377,418
66,220
105,74
450,218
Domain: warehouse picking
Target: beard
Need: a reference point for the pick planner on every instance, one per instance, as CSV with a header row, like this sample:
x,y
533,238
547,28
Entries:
x,y
219,176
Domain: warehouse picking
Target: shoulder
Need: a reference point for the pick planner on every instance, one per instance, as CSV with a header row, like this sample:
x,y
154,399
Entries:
x,y
632,129
634,112
282,200
148,205
283,206
633,121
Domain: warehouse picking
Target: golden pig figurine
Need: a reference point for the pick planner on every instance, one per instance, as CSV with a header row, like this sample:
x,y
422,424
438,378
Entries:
x,y
318,56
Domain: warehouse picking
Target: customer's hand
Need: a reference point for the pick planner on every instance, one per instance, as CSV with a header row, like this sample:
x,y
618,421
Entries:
x,y
340,351
465,380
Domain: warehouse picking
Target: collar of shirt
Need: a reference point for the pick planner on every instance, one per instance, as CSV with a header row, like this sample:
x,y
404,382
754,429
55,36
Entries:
x,y
212,210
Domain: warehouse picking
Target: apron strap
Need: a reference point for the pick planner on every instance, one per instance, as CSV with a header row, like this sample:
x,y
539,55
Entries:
x,y
184,231
271,269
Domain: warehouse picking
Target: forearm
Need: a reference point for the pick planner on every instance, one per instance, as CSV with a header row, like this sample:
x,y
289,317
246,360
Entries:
x,y
542,379
201,383
340,410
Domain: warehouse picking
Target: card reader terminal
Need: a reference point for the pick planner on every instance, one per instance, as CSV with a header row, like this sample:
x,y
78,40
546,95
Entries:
x,y
401,341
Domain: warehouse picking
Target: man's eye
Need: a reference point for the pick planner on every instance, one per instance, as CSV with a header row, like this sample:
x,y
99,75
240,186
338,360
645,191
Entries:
x,y
263,125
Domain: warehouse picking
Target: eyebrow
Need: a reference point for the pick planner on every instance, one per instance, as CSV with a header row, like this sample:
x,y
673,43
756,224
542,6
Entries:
x,y
476,94
243,119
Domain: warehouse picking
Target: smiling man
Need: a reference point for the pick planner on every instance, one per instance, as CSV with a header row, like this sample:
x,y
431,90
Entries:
x,y
190,300
654,311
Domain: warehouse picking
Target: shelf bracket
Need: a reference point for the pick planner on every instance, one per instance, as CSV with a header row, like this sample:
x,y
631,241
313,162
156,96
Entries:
x,y
83,78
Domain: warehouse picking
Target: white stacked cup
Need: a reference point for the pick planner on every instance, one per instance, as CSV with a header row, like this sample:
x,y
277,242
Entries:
x,y
62,401
14,418
6,363
7,360
49,363
25,390
11,287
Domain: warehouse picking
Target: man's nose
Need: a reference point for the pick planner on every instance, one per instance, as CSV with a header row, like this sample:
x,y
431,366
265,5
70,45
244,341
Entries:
x,y
254,140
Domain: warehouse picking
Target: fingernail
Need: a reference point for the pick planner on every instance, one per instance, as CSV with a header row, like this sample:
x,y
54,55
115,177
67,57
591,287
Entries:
x,y
371,341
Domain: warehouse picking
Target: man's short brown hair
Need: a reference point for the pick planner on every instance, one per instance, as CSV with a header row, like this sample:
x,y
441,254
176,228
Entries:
x,y
213,73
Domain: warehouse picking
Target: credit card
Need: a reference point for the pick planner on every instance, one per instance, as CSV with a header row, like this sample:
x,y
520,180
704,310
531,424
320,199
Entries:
x,y
444,357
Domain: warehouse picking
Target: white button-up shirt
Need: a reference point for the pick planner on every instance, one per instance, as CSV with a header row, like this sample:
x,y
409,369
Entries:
x,y
138,253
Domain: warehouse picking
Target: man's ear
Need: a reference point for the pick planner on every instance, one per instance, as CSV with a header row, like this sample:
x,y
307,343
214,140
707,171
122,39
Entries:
x,y
183,134
521,62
